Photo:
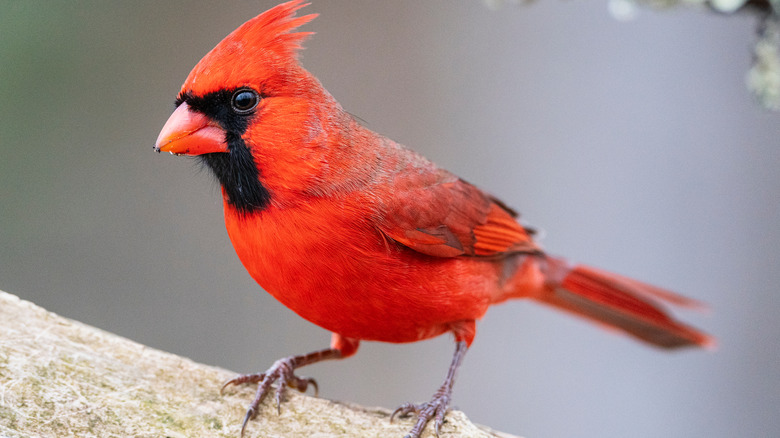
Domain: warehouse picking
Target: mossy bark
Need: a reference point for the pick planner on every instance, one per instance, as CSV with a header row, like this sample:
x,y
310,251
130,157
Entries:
x,y
62,378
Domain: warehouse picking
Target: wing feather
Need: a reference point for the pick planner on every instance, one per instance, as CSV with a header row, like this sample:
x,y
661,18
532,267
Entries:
x,y
444,216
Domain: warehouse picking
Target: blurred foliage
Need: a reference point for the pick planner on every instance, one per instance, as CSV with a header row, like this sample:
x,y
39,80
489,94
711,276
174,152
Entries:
x,y
763,78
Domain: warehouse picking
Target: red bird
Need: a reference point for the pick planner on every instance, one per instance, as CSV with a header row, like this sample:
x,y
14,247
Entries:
x,y
361,235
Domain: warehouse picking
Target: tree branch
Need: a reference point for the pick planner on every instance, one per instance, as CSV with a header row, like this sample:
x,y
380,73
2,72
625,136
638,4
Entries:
x,y
62,378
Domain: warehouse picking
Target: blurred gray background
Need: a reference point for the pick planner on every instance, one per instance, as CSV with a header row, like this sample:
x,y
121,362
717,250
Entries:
x,y
634,146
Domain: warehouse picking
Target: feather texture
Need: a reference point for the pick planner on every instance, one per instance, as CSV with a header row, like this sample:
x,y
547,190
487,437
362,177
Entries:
x,y
361,235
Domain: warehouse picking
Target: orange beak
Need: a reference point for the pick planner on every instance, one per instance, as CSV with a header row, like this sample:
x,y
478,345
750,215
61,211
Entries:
x,y
190,133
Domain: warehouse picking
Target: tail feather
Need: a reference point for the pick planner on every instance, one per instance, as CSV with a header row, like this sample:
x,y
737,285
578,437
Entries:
x,y
622,303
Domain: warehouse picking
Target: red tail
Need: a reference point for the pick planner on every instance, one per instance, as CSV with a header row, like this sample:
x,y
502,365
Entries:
x,y
622,303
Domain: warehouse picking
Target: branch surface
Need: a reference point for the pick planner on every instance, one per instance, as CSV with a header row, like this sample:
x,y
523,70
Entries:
x,y
61,378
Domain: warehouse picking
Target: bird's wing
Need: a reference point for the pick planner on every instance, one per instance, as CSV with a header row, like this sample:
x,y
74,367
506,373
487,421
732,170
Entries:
x,y
448,217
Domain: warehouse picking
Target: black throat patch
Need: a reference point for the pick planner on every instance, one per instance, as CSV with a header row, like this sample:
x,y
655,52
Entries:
x,y
236,170
239,177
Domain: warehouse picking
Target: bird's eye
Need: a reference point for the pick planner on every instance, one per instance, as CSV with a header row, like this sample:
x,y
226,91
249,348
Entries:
x,y
244,101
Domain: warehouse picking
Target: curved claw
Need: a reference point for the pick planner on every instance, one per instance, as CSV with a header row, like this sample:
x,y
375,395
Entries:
x,y
302,384
435,409
404,410
250,414
439,420
241,379
314,384
283,372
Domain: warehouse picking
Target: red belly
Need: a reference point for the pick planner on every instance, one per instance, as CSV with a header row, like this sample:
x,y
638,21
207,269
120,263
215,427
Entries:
x,y
347,278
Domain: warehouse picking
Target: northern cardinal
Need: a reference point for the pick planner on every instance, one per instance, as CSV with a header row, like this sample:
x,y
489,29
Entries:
x,y
361,235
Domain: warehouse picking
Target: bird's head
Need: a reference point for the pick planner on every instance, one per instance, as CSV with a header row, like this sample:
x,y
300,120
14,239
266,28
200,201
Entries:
x,y
252,113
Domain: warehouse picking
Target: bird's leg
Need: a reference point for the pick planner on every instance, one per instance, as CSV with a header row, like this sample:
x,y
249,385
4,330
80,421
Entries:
x,y
439,404
283,371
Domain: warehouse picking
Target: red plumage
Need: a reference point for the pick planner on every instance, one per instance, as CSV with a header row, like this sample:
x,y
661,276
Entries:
x,y
359,234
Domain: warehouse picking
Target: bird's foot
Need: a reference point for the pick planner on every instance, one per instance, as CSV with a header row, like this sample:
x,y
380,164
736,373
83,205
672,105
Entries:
x,y
435,409
282,371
